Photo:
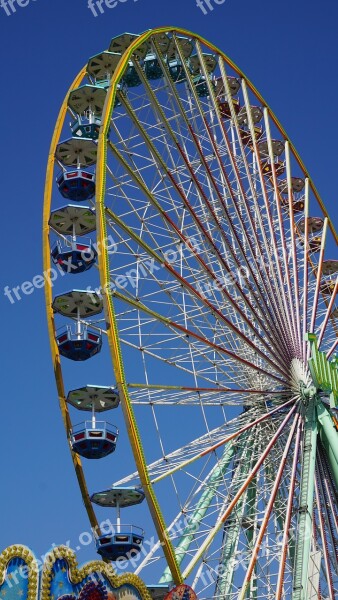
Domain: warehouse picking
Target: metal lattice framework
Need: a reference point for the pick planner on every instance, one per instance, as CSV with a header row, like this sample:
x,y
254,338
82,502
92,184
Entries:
x,y
222,265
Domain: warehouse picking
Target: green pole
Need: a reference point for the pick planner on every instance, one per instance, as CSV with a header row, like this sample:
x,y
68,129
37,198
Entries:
x,y
329,437
304,533
201,508
233,529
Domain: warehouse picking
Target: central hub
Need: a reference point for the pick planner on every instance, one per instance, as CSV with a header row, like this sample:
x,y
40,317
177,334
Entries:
x,y
307,393
301,381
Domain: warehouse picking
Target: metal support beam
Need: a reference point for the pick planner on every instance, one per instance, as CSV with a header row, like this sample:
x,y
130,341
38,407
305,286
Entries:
x,y
233,528
304,529
201,508
329,437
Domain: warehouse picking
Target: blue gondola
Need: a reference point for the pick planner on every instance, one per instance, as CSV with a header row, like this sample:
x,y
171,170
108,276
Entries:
x,y
82,341
176,71
74,259
201,86
86,128
123,541
94,439
130,77
79,345
121,545
77,185
152,67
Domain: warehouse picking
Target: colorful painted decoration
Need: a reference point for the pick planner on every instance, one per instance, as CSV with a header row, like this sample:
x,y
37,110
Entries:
x,y
181,592
59,578
93,590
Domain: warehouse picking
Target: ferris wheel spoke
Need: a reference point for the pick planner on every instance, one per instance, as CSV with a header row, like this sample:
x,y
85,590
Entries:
x,y
332,349
322,302
225,579
192,290
185,333
253,227
201,154
328,493
205,267
195,292
153,554
220,163
194,529
305,265
268,512
273,268
203,375
237,529
168,322
286,529
264,233
293,245
327,314
168,395
215,150
289,303
215,446
250,287
326,531
324,541
318,280
222,518
200,448
235,235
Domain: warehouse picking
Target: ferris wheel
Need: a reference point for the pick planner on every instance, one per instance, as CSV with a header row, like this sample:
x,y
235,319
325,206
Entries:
x,y
210,277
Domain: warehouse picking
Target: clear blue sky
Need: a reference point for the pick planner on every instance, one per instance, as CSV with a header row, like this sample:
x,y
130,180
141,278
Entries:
x,y
289,50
